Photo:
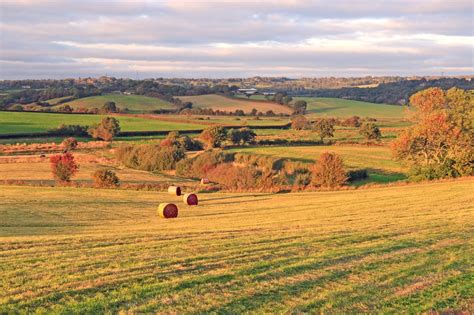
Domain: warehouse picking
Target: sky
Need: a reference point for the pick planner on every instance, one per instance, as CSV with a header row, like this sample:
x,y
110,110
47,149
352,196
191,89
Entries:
x,y
221,39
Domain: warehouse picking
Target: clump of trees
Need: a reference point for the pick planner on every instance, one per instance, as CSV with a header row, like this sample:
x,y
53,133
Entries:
x,y
150,157
299,107
108,128
64,167
109,107
242,136
105,178
174,139
300,122
214,137
440,143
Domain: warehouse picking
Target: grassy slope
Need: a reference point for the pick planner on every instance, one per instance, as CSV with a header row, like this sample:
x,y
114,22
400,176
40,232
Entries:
x,y
335,107
135,103
354,156
18,122
231,104
398,249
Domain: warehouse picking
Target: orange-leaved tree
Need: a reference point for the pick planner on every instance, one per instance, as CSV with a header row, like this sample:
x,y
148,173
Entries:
x,y
439,144
329,171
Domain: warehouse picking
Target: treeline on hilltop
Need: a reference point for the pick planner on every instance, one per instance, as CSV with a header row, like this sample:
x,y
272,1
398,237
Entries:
x,y
396,93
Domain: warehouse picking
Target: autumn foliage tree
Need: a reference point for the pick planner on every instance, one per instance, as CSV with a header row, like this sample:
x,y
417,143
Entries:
x,y
69,144
63,166
328,171
105,178
214,136
440,143
106,129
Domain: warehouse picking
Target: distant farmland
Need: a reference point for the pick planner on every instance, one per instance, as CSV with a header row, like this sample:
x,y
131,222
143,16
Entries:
x,y
231,104
135,103
404,249
336,107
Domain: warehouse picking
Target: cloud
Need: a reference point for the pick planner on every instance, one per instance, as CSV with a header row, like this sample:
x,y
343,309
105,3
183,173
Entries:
x,y
187,38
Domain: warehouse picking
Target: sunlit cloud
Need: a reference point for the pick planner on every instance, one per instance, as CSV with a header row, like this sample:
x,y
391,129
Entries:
x,y
293,38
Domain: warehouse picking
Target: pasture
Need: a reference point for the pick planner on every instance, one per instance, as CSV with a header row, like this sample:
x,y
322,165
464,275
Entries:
x,y
134,103
25,122
336,107
385,250
216,102
376,159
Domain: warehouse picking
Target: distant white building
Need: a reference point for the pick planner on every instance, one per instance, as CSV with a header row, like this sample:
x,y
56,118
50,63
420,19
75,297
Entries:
x,y
250,91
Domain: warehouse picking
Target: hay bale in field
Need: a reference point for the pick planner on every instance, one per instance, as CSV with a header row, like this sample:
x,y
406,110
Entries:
x,y
167,210
204,181
190,199
174,190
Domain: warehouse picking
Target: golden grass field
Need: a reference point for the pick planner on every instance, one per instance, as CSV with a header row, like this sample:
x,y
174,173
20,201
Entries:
x,y
400,249
215,102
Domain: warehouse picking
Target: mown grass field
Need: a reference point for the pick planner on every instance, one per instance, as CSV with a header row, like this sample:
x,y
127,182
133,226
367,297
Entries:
x,y
215,102
336,107
23,122
404,249
135,103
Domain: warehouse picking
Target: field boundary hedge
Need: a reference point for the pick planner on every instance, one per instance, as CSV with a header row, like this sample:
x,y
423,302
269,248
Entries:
x,y
134,133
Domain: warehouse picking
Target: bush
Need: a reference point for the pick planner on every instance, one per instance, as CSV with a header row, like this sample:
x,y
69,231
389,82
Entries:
x,y
353,121
300,123
70,130
242,136
69,144
149,157
303,179
105,178
198,166
63,167
355,175
329,171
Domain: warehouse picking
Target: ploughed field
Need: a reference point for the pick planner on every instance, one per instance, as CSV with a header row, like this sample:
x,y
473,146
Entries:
x,y
392,249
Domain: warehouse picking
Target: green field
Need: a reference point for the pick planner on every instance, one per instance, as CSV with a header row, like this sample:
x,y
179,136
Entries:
x,y
135,103
354,156
231,104
23,122
336,107
405,249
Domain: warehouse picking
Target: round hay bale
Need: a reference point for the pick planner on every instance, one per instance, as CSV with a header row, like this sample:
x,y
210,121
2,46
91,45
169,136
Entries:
x,y
167,210
190,199
204,181
174,190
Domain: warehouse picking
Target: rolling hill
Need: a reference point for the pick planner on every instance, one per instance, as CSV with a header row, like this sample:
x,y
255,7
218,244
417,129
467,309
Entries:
x,y
134,103
388,250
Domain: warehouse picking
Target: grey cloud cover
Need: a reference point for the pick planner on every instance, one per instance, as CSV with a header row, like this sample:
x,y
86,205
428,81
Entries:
x,y
56,39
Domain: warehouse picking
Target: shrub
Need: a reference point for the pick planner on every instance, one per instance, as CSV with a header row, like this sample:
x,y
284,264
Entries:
x,y
63,167
355,175
70,130
302,179
149,157
329,171
300,123
106,129
105,178
109,107
353,121
370,131
69,144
